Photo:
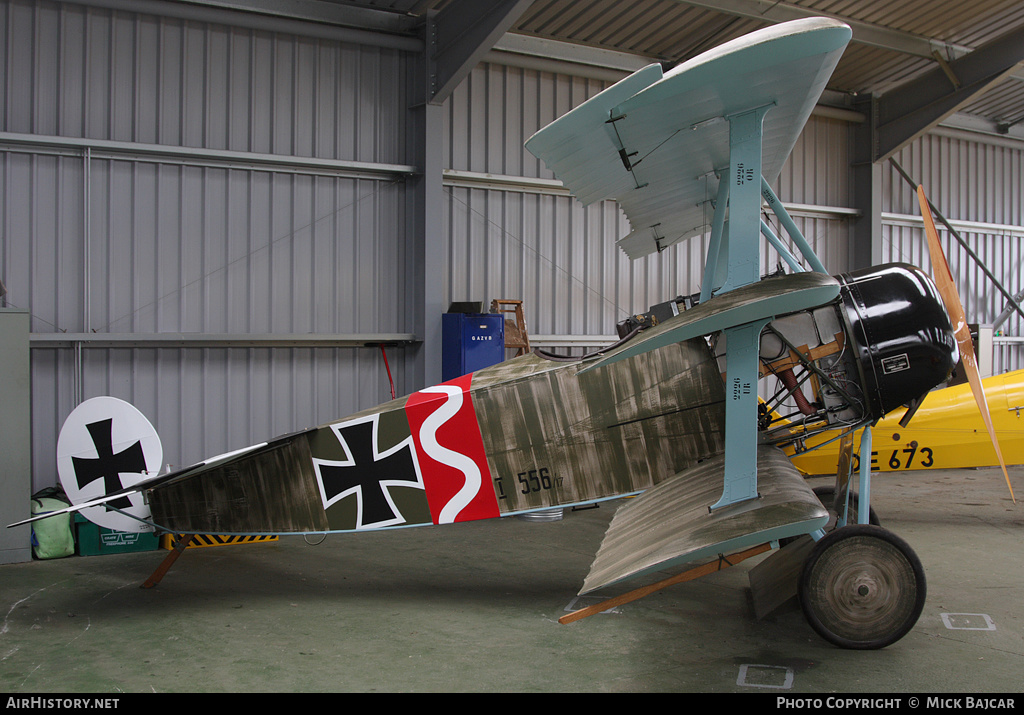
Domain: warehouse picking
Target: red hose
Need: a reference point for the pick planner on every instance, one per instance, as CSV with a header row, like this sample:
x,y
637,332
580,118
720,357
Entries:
x,y
789,380
388,368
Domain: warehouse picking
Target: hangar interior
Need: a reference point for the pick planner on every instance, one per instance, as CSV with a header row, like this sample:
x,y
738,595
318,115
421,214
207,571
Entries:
x,y
211,209
247,217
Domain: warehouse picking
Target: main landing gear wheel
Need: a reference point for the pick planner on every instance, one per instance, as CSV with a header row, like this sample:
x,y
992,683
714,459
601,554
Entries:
x,y
862,587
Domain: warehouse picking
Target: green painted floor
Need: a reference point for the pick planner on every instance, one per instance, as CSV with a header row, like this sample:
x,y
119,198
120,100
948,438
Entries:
x,y
475,607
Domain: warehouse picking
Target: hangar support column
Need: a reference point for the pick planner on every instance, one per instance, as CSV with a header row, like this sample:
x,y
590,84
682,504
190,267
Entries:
x,y
866,230
15,433
425,229
904,113
455,39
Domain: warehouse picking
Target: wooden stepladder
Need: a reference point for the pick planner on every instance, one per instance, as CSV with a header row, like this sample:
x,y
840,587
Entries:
x,y
515,330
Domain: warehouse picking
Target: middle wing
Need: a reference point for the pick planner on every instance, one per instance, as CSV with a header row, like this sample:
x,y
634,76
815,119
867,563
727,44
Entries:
x,y
770,298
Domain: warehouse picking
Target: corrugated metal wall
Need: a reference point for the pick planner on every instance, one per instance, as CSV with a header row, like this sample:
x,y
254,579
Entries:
x,y
977,183
542,246
100,238
105,233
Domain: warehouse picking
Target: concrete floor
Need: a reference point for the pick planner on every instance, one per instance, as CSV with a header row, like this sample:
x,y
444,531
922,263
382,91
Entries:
x,y
474,607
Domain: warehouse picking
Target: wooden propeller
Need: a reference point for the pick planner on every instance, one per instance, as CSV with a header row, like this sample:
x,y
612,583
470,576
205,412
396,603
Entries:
x,y
947,289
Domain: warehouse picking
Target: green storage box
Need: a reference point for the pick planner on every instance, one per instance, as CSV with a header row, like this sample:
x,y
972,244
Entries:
x,y
93,540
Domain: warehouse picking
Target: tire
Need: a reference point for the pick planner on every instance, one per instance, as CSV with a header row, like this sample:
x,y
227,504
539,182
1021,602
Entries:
x,y
862,587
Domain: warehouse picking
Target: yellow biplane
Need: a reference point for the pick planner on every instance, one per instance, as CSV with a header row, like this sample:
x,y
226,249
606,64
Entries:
x,y
947,432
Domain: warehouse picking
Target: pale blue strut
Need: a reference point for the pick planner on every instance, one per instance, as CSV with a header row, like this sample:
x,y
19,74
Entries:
x,y
734,261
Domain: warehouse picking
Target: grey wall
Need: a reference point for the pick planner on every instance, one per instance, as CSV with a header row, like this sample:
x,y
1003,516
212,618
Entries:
x,y
977,182
532,241
164,176
166,215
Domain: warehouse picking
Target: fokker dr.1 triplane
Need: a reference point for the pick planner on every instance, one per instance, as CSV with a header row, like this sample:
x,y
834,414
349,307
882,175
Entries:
x,y
670,413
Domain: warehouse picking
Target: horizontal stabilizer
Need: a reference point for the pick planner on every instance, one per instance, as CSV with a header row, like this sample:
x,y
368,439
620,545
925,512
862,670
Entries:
x,y
120,494
671,525
141,485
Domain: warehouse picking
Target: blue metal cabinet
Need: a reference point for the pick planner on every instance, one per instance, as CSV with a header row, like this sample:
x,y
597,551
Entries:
x,y
470,341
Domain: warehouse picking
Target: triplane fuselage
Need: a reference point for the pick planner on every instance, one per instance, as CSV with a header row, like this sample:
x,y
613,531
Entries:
x,y
671,412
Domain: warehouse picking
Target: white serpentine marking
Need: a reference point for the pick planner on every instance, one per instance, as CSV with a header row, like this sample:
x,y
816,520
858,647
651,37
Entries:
x,y
428,439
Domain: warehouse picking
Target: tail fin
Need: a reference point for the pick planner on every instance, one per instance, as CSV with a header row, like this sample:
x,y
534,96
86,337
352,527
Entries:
x,y
108,454
105,450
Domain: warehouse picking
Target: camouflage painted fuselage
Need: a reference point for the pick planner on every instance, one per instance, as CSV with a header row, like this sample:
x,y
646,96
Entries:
x,y
528,434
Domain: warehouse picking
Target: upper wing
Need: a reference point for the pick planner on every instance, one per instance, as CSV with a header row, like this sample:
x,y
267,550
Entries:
x,y
581,147
654,143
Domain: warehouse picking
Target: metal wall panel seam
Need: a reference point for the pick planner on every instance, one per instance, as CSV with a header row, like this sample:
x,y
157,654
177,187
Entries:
x,y
188,156
553,187
911,220
188,340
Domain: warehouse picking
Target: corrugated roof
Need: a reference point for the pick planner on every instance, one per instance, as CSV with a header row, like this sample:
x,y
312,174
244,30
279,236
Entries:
x,y
673,31
893,39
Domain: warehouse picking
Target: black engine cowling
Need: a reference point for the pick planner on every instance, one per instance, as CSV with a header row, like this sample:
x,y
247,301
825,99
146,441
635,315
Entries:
x,y
901,332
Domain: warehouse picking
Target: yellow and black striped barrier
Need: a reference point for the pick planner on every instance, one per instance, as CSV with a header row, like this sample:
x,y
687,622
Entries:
x,y
201,540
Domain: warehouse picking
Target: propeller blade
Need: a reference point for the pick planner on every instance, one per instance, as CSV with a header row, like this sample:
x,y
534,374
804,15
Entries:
x,y
947,289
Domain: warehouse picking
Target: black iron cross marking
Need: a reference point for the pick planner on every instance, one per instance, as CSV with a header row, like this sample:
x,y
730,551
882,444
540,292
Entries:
x,y
367,474
107,465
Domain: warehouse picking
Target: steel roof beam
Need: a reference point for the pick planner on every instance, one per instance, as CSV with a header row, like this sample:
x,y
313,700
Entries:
x,y
863,32
363,18
906,112
459,36
343,25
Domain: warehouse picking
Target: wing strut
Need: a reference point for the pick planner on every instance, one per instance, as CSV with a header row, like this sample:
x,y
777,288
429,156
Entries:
x,y
721,563
742,249
740,413
735,246
787,222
